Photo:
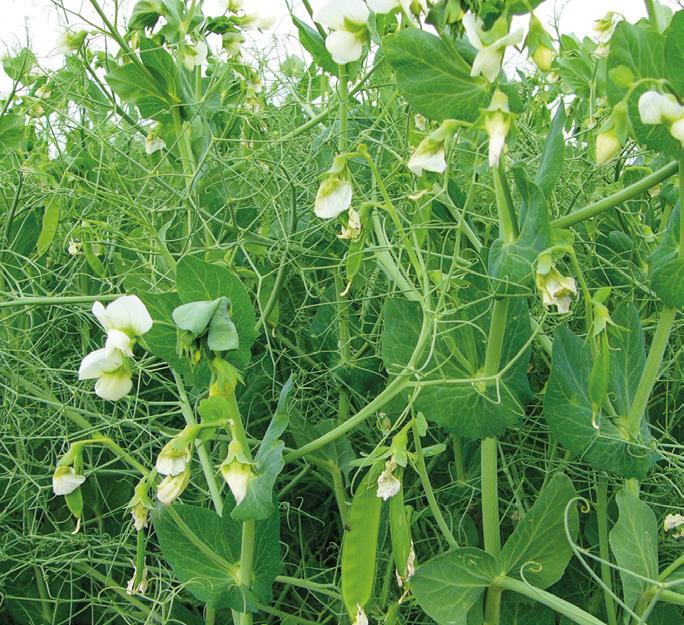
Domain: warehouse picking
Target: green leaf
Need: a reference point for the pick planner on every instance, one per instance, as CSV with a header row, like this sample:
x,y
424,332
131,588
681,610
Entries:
x,y
634,541
19,67
203,550
567,405
553,155
209,318
674,53
539,545
215,409
434,78
640,50
197,280
448,586
469,409
314,44
145,14
511,264
258,502
11,132
666,268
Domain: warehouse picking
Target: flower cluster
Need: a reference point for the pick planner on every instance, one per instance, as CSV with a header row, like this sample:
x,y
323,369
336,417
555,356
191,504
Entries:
x,y
658,108
125,320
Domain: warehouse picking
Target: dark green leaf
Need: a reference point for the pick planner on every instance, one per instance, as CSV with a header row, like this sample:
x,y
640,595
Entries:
x,y
11,132
674,53
553,155
448,586
434,78
19,67
314,44
666,268
538,550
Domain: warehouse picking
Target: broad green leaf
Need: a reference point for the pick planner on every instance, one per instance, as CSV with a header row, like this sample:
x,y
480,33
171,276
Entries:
x,y
553,155
538,550
203,550
511,264
19,67
197,280
49,225
360,543
314,44
145,14
448,586
567,406
11,132
215,409
674,53
666,268
434,78
268,463
640,50
470,409
634,541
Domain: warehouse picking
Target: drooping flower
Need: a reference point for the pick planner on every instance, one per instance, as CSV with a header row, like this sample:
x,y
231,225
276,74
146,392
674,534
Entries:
x,y
176,454
141,587
334,194
347,21
430,155
490,44
172,486
539,45
126,316
352,230
194,55
108,366
65,480
360,618
497,121
236,471
388,484
153,143
556,290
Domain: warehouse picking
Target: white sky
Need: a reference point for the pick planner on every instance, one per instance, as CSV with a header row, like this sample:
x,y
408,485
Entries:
x,y
40,18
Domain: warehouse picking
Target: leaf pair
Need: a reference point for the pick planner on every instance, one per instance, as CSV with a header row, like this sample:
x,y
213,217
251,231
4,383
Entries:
x,y
211,318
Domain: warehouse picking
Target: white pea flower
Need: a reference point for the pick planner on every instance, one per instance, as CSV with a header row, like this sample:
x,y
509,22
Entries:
x,y
497,123
108,366
603,32
174,456
490,45
674,522
141,588
128,315
333,198
677,130
556,290
172,486
74,248
65,480
153,143
360,618
388,484
194,55
69,39
236,471
608,146
430,155
258,21
658,108
347,20
407,6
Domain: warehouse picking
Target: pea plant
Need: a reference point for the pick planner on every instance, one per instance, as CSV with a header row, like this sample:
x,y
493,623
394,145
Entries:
x,y
358,325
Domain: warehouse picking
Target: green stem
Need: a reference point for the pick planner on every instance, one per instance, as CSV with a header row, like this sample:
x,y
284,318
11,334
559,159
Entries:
x,y
680,252
623,195
507,220
429,493
58,299
246,561
344,106
575,614
489,446
492,614
602,517
209,616
457,444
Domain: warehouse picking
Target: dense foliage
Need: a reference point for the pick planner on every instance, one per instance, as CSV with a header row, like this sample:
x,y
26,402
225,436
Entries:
x,y
371,333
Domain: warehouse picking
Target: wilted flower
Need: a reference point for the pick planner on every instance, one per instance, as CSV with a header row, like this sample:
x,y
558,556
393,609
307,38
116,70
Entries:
x,y
153,143
108,366
497,121
674,522
352,230
236,470
65,480
410,568
140,505
172,486
360,618
74,248
556,289
194,55
388,484
490,45
347,20
141,587
70,39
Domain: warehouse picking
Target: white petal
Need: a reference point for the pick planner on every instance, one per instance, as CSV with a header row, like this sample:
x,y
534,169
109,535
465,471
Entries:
x,y
127,313
119,340
488,63
650,107
512,39
171,465
99,363
65,481
333,198
473,29
496,144
334,13
383,6
344,47
427,160
113,386
677,130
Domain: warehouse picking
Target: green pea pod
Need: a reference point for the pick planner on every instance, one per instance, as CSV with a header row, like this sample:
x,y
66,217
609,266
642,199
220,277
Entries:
x,y
49,226
355,258
93,261
360,544
598,379
74,501
400,531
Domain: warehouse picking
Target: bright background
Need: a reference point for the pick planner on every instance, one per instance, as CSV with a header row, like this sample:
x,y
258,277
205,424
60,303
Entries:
x,y
37,21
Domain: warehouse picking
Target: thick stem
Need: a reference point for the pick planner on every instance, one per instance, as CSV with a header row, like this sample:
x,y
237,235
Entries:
x,y
507,219
606,576
493,605
459,464
246,561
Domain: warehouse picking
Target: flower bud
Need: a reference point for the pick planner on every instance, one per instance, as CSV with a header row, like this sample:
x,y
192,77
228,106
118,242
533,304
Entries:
x,y
236,471
172,486
539,45
175,455
497,121
608,146
65,480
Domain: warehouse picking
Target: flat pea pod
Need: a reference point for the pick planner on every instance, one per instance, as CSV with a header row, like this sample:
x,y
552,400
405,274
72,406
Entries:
x,y
400,531
360,544
598,378
93,261
49,225
355,258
